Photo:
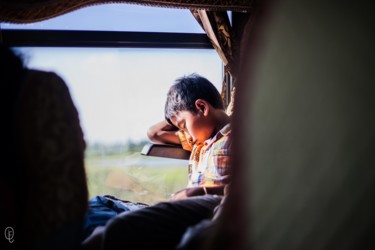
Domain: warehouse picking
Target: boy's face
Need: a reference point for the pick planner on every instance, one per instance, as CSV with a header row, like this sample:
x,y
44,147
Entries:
x,y
198,125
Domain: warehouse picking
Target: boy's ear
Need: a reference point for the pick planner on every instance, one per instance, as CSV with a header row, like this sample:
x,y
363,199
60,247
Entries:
x,y
202,105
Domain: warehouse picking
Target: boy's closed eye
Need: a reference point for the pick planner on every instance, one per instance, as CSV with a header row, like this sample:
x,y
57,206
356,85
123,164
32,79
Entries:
x,y
182,126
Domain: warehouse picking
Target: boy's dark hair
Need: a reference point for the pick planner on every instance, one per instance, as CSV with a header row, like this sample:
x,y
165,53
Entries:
x,y
186,90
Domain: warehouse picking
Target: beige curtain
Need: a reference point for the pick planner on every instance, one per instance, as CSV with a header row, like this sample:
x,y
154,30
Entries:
x,y
27,11
218,29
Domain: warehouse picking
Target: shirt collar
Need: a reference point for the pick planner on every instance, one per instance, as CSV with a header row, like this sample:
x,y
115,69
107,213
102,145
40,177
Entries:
x,y
222,132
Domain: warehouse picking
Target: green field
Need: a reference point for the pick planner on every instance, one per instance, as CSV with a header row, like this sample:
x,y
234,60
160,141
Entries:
x,y
125,176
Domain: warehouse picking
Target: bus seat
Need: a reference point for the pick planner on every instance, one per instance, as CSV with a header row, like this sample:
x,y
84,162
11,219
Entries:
x,y
51,147
304,130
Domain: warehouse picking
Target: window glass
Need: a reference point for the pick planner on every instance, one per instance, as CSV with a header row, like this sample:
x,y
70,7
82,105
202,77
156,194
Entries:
x,y
119,17
120,93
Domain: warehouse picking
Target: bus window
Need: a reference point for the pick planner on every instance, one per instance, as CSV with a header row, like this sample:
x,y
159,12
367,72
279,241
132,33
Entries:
x,y
119,93
120,88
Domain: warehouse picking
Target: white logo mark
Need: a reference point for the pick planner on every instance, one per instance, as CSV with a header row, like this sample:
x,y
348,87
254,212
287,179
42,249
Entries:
x,y
9,234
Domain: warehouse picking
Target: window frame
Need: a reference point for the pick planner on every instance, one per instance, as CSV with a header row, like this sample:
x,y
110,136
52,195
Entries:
x,y
112,39
108,39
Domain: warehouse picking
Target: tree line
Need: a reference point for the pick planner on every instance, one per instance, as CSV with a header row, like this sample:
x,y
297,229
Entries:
x,y
129,147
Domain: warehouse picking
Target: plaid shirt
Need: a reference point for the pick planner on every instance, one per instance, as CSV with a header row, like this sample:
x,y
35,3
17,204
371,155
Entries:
x,y
209,162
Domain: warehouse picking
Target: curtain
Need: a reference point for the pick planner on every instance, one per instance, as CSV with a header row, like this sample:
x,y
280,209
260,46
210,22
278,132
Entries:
x,y
218,29
27,11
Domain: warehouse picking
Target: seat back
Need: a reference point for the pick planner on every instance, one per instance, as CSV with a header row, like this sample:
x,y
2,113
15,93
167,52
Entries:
x,y
51,147
304,130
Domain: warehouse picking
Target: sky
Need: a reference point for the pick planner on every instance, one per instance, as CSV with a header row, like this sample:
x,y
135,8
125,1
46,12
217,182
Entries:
x,y
120,92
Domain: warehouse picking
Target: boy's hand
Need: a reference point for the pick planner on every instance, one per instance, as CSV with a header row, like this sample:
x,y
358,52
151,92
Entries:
x,y
179,195
187,192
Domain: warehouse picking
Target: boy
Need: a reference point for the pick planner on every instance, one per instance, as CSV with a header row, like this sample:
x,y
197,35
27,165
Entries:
x,y
194,106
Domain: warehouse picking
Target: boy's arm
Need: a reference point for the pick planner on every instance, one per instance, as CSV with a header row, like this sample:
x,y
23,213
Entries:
x,y
162,132
197,191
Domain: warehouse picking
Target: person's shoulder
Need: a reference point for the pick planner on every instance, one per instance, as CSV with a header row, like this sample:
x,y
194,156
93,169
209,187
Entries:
x,y
46,79
35,73
224,138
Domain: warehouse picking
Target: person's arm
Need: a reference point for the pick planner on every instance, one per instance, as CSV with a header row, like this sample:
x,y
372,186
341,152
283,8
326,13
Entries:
x,y
162,132
197,191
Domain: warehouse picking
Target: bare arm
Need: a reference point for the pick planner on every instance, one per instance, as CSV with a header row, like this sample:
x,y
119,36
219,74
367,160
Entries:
x,y
162,132
197,191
